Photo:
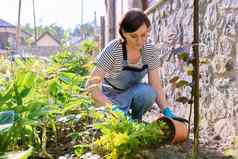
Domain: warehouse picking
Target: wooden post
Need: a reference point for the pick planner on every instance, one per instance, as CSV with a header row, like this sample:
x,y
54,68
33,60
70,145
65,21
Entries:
x,y
196,92
110,29
34,16
102,32
18,29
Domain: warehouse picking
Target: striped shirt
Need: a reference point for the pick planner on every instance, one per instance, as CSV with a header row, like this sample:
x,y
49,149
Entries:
x,y
111,58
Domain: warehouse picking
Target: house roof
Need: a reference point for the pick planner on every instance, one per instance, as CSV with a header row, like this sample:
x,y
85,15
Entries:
x,y
5,24
45,33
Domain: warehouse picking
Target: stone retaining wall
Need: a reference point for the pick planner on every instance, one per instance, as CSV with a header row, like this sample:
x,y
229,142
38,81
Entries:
x,y
218,45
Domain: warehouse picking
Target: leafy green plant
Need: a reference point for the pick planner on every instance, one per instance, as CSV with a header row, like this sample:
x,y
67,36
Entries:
x,y
19,97
76,62
89,46
34,94
122,138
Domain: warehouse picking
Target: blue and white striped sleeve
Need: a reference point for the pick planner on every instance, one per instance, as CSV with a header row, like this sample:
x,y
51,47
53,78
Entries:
x,y
105,59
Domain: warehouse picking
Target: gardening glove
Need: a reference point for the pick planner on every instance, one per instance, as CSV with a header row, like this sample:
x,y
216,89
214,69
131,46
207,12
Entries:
x,y
115,108
168,113
111,107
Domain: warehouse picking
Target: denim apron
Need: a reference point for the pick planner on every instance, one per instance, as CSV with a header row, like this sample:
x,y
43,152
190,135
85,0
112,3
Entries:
x,y
122,90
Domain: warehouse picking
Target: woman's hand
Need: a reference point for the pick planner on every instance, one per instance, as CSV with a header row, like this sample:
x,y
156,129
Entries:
x,y
93,87
168,113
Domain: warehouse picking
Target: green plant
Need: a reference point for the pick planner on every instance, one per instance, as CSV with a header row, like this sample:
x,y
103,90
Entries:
x,y
77,62
34,95
89,46
31,116
122,138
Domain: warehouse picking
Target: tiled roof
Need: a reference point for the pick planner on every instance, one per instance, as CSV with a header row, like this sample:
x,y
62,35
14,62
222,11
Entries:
x,y
4,24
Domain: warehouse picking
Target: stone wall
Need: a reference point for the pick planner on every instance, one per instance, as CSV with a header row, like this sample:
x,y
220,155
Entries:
x,y
218,45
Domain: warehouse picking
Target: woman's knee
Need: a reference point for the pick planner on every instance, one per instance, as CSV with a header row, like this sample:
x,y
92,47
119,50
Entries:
x,y
146,92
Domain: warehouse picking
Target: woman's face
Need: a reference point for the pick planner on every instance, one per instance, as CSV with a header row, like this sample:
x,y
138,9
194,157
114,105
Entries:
x,y
137,39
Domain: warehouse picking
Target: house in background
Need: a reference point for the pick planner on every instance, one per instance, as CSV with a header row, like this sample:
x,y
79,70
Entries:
x,y
8,37
46,45
47,40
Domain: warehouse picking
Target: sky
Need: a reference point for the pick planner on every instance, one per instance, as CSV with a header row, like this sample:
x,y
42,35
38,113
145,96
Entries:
x,y
65,13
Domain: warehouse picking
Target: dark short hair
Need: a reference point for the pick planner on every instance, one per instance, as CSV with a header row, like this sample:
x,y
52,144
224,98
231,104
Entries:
x,y
132,20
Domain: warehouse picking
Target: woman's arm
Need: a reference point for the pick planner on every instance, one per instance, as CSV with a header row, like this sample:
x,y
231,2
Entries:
x,y
154,81
93,87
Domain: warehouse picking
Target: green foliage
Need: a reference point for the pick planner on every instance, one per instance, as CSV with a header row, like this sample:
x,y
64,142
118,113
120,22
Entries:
x,y
43,104
34,94
81,149
18,96
184,56
122,138
89,46
57,31
73,62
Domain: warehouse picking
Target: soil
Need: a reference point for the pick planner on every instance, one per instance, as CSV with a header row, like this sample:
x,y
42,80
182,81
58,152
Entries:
x,y
180,151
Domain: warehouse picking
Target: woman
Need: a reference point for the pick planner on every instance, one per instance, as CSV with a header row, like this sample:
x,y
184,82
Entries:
x,y
122,65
